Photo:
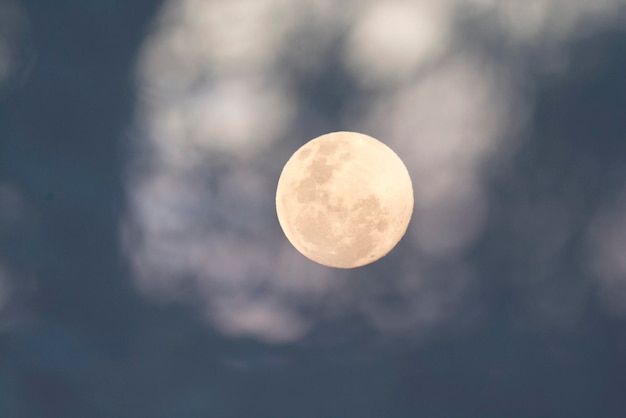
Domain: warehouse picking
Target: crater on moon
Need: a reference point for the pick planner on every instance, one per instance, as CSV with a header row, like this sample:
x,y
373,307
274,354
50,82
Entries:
x,y
344,199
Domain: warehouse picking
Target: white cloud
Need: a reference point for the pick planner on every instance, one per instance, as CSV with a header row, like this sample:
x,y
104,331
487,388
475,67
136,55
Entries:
x,y
219,102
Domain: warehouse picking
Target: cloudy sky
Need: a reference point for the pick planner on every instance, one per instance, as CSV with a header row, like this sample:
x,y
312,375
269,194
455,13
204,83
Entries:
x,y
229,89
143,271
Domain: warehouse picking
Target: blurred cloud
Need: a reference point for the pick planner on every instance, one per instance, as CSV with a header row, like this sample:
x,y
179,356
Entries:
x,y
533,22
221,110
236,116
449,216
390,40
447,126
12,25
607,254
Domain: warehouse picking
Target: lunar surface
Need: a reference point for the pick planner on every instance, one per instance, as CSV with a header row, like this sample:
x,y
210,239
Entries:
x,y
344,199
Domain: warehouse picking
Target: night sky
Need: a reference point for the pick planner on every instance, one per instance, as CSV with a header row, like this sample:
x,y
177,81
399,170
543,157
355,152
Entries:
x,y
143,272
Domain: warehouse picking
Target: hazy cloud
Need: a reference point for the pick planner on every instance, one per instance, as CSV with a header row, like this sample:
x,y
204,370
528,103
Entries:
x,y
221,111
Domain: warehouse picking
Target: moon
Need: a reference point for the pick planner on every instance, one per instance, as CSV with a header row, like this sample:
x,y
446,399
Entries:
x,y
344,199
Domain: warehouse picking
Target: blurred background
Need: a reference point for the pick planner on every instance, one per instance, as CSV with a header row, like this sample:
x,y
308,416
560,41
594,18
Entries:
x,y
143,272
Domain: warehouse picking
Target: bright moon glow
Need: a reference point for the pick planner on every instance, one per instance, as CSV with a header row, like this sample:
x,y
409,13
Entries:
x,y
344,199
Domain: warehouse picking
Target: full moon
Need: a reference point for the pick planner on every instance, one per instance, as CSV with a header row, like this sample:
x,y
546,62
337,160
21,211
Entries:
x,y
344,199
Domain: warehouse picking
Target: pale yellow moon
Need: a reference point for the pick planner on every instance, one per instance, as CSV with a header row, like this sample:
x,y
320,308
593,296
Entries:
x,y
344,199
